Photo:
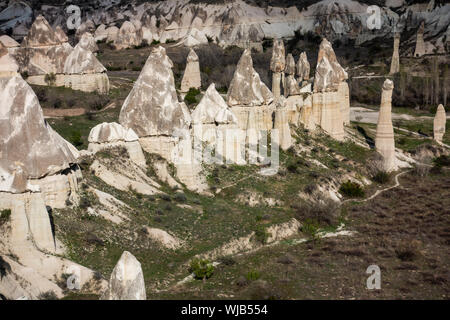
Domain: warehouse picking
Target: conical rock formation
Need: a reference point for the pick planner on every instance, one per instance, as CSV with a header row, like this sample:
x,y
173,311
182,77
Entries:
x,y
127,36
127,280
420,44
191,77
303,67
246,88
87,42
395,62
384,139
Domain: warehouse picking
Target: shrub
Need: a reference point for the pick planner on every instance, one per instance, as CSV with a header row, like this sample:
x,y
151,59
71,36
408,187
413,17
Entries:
x,y
48,295
442,161
180,197
25,75
75,138
4,216
261,234
155,42
351,189
50,79
202,269
381,177
323,212
190,97
253,275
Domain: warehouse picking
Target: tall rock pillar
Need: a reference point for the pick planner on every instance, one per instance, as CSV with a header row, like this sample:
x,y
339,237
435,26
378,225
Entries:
x,y
420,44
439,123
395,63
277,66
384,140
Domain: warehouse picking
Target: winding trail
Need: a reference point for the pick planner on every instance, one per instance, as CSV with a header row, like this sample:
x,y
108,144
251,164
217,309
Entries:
x,y
378,192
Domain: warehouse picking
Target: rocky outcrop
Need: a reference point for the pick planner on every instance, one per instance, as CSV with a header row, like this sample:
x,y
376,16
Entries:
x,y
127,36
127,280
84,72
87,42
101,33
420,44
162,123
8,42
395,62
41,34
113,33
303,68
250,99
61,35
440,120
246,87
277,66
111,135
34,157
331,105
191,77
329,73
214,123
384,139
87,26
291,86
8,65
282,126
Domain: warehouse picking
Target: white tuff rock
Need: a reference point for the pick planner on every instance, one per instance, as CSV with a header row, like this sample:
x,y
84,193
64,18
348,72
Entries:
x,y
191,77
127,280
439,123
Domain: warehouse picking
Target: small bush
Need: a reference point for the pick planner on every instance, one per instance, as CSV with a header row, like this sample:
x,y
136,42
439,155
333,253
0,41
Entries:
x,y
442,161
381,177
261,234
155,42
180,197
75,138
50,79
253,275
190,97
4,216
202,269
351,189
48,295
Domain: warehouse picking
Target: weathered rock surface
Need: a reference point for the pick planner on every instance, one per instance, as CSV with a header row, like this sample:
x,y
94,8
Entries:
x,y
327,113
291,86
163,238
439,123
84,72
277,66
113,33
61,35
303,68
191,77
329,73
344,101
28,142
8,65
420,44
384,139
101,33
246,88
127,280
110,135
152,107
41,34
87,42
87,26
214,123
284,132
9,42
127,36
395,62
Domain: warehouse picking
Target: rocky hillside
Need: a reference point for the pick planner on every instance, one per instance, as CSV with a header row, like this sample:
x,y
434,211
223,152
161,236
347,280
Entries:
x,y
241,22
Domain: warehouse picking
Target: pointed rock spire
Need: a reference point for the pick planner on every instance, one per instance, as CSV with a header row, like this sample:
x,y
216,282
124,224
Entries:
x,y
246,88
440,120
329,73
291,86
41,34
191,77
87,42
277,66
212,109
152,107
420,44
61,35
384,139
127,280
303,67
